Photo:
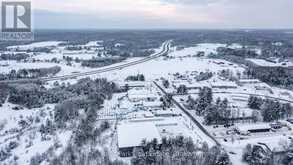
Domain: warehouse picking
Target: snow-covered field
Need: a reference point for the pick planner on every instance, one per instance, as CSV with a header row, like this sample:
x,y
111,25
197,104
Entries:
x,y
36,45
29,140
34,65
178,61
82,55
163,68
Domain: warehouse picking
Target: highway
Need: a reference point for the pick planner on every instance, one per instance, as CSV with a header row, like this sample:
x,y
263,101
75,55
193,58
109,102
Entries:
x,y
166,47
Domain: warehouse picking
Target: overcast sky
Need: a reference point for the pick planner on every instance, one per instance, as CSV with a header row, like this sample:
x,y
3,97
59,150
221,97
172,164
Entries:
x,y
146,14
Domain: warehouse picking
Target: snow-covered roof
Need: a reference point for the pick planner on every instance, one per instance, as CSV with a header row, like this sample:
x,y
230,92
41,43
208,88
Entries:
x,y
224,84
247,127
143,120
141,93
141,114
157,121
274,143
164,112
249,81
141,97
132,134
134,83
35,45
92,43
167,122
138,91
149,115
152,103
192,84
263,85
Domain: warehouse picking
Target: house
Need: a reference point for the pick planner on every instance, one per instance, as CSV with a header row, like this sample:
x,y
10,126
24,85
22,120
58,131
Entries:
x,y
141,114
242,82
152,104
141,94
133,84
224,85
164,113
252,128
263,87
219,62
191,85
131,135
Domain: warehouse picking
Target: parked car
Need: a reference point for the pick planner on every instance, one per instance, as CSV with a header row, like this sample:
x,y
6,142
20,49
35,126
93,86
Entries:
x,y
228,125
276,125
290,121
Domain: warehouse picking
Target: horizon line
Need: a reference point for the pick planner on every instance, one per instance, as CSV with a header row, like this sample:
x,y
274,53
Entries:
x,y
161,29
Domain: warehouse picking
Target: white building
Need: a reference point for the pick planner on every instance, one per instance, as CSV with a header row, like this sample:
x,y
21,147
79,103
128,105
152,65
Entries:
x,y
141,94
224,85
152,104
192,85
253,128
164,113
248,81
131,135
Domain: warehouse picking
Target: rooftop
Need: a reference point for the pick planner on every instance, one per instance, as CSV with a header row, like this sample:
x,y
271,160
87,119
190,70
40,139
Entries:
x,y
132,134
249,81
247,127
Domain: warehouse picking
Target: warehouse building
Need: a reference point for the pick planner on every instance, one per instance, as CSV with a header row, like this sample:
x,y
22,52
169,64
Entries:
x,y
131,135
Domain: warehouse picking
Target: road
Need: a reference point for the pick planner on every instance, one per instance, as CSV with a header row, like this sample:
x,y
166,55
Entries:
x,y
197,123
166,47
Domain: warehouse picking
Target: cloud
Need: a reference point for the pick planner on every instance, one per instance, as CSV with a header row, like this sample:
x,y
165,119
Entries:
x,y
192,2
169,13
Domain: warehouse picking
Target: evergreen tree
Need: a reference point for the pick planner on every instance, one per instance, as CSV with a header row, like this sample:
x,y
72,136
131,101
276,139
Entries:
x,y
166,83
182,89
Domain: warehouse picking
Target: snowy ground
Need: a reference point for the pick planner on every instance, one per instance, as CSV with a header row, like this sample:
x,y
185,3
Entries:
x,y
180,61
29,139
36,45
262,62
65,69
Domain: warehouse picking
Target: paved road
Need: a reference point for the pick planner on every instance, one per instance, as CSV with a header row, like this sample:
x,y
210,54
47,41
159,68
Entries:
x,y
166,47
197,123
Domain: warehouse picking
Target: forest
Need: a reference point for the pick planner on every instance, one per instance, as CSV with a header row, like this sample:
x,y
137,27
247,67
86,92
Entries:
x,y
276,76
30,73
213,112
178,150
270,110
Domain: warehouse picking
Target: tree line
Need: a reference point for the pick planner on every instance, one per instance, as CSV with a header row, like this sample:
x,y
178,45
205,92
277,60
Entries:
x,y
213,112
84,92
100,62
270,110
30,73
277,76
138,77
11,56
178,150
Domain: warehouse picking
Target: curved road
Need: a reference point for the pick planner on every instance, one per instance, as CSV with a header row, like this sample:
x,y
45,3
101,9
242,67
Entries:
x,y
166,47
